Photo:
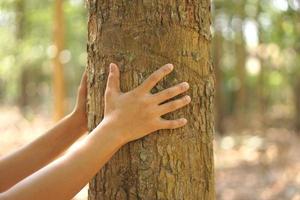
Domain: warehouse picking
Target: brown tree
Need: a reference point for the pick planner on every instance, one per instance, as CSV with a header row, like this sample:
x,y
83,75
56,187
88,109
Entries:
x,y
141,36
20,34
219,100
297,105
241,56
58,73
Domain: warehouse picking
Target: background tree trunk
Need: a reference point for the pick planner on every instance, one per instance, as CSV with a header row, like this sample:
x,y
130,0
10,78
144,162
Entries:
x,y
141,36
241,56
219,102
20,34
240,104
58,72
297,105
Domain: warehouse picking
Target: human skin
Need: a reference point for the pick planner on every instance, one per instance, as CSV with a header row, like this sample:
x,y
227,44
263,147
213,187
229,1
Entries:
x,y
24,161
127,116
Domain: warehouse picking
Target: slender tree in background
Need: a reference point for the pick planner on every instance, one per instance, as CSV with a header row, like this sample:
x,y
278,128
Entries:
x,y
297,105
217,56
241,55
58,74
261,84
141,36
297,78
20,33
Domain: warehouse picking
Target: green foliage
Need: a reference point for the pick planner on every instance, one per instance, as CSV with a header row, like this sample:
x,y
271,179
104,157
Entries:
x,y
269,30
30,52
274,43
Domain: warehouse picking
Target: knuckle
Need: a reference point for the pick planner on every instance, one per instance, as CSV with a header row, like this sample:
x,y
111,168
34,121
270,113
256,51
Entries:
x,y
135,93
152,113
169,92
161,125
153,124
145,103
165,69
173,124
173,105
148,116
178,89
155,77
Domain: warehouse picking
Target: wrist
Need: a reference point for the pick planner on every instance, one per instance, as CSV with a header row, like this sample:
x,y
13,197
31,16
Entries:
x,y
111,127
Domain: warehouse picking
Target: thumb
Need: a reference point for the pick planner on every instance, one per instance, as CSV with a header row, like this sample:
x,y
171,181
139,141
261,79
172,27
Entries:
x,y
113,81
83,83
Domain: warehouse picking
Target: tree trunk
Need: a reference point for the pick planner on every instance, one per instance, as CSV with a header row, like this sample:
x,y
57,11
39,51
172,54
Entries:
x,y
58,73
20,34
241,75
297,79
261,83
24,80
297,105
141,36
219,102
241,55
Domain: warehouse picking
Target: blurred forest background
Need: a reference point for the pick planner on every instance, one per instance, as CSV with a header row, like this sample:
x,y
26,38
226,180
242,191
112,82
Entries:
x,y
256,54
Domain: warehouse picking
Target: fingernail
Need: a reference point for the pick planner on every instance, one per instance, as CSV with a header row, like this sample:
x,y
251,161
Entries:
x,y
170,66
185,85
184,121
188,98
111,67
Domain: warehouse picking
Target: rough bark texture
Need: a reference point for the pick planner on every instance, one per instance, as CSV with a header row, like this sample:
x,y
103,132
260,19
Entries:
x,y
140,36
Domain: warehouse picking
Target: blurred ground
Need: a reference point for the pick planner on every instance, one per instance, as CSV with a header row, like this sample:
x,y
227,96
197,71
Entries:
x,y
252,164
258,163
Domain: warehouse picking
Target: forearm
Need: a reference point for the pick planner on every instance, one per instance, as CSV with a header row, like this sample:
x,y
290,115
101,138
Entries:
x,y
30,158
64,177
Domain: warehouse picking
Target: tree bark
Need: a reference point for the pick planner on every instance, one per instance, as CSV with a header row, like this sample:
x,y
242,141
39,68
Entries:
x,y
141,36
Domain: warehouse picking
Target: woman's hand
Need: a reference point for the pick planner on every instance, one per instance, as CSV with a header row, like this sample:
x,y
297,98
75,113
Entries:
x,y
79,112
136,113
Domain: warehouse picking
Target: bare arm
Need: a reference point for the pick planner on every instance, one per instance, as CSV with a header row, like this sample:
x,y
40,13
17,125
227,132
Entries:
x,y
35,155
127,117
65,177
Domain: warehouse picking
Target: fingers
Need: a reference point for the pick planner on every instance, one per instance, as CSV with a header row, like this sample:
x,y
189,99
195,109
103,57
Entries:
x,y
155,77
174,105
172,124
113,81
170,92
